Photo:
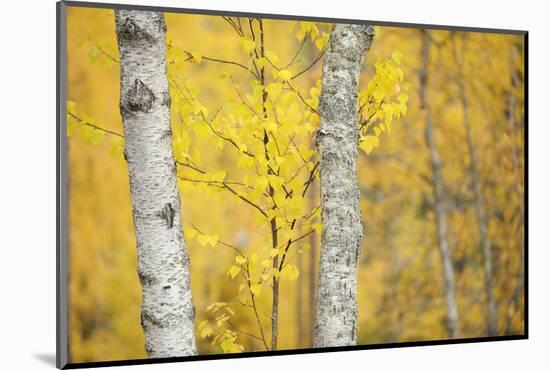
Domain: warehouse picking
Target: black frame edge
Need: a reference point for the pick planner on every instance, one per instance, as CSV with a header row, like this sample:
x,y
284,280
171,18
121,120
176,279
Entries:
x,y
526,184
214,12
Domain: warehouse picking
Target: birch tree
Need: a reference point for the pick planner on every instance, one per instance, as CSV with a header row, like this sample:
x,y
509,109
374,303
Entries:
x,y
167,314
438,186
479,201
336,307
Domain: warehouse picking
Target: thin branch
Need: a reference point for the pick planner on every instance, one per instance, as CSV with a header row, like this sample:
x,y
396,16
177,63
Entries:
x,y
94,126
247,201
301,97
233,327
256,311
233,25
107,54
309,66
298,51
214,182
222,242
223,61
311,179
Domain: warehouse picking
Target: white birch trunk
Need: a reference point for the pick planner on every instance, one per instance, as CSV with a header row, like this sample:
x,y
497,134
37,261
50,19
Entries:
x,y
167,313
440,211
336,306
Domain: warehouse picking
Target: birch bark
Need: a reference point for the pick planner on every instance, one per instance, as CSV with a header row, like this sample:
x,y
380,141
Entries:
x,y
440,211
336,307
167,313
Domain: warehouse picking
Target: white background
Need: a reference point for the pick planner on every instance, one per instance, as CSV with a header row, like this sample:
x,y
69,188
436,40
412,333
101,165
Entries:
x,y
27,182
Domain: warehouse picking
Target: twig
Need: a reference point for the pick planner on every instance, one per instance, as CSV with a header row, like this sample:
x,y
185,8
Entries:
x,y
94,126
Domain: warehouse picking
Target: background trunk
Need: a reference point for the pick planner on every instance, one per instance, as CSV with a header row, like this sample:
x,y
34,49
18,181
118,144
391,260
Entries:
x,y
481,213
439,207
336,308
519,187
167,314
482,222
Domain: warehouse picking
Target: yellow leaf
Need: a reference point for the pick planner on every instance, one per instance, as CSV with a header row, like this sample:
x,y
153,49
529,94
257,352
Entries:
x,y
272,56
397,57
240,259
116,147
234,271
206,332
86,132
321,42
218,176
369,143
284,74
256,289
261,182
245,161
373,140
270,126
190,233
229,346
72,124
262,62
203,324
213,240
274,89
247,44
203,239
318,228
200,128
291,272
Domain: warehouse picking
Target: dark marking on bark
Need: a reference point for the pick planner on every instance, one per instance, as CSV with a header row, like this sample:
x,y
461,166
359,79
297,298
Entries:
x,y
167,214
161,24
166,99
166,287
166,134
146,318
139,98
146,279
130,31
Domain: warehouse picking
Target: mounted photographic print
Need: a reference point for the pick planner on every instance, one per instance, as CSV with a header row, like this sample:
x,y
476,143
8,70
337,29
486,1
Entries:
x,y
236,184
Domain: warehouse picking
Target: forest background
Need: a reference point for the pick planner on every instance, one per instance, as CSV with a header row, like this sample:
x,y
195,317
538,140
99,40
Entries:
x,y
400,289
